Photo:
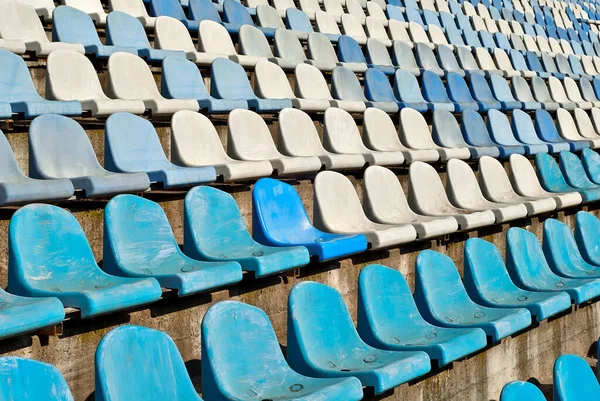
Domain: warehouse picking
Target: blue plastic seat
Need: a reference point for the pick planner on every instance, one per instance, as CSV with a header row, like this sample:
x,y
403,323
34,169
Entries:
x,y
139,242
229,81
18,93
574,380
446,132
124,350
430,17
214,230
503,93
71,25
173,9
455,36
395,13
388,318
349,51
574,172
408,92
126,31
502,42
529,269
181,79
443,300
28,380
499,128
279,219
323,342
563,66
524,131
553,180
483,94
576,66
435,92
236,15
546,130
489,283
413,15
562,252
519,391
535,65
458,91
587,231
206,10
591,163
238,341
60,148
297,20
131,145
51,257
476,133
378,88
345,86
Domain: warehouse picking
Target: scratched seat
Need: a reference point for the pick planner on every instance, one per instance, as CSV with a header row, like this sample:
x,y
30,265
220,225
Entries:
x,y
574,379
518,390
315,309
51,257
587,227
574,172
591,164
27,379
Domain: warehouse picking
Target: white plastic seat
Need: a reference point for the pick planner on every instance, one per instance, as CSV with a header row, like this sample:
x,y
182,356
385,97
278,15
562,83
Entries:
x,y
20,24
288,47
93,8
72,76
268,17
322,55
376,29
568,129
419,35
353,28
463,191
195,143
327,24
337,209
376,12
504,27
531,45
574,95
518,29
544,46
588,65
555,45
426,195
438,37
282,5
486,63
43,8
504,64
310,8
270,82
214,39
130,78
298,137
341,135
557,91
469,9
380,134
490,24
249,139
415,133
482,11
135,8
399,32
334,8
356,10
526,183
584,125
253,43
478,23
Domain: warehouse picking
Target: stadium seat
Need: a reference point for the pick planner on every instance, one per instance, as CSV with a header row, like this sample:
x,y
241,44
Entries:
x,y
268,17
288,47
173,9
522,93
249,139
139,242
504,64
51,257
24,379
427,196
542,94
280,219
587,91
20,26
214,230
253,43
134,8
524,131
547,131
448,61
586,230
435,93
353,28
574,95
388,319
446,132
201,10
236,15
476,133
351,55
47,138
459,93
322,54
127,347
298,137
488,283
442,300
529,269
574,172
585,126
482,93
557,92
311,85
375,28
553,179
427,60
130,78
408,92
346,87
72,76
378,87
239,340
574,379
501,131
502,92
591,163
132,145
517,390
327,25
315,307
298,21
404,58
568,129
384,202
93,8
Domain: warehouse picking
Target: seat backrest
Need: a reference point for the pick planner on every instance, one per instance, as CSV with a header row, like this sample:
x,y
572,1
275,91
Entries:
x,y
395,14
125,30
562,64
437,35
426,58
29,380
521,89
352,26
414,130
375,28
72,76
417,33
487,39
270,81
447,59
446,131
518,61
458,90
474,129
584,124
540,90
345,85
354,8
298,20
340,132
71,25
326,23
19,21
501,89
229,80
194,140
377,86
252,42
126,347
572,169
181,79
171,34
379,131
492,178
130,78
310,83
235,13
499,128
485,60
383,196
201,10
433,88
248,136
523,128
377,52
480,88
574,379
321,49
135,8
214,38
403,56
287,45
169,8
48,155
268,17
349,51
466,59
502,41
524,255
309,6
298,135
518,390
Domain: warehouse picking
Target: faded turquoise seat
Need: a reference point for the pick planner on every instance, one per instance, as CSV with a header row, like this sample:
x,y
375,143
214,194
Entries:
x,y
574,380
242,360
28,380
591,164
587,232
521,391
553,180
214,230
139,242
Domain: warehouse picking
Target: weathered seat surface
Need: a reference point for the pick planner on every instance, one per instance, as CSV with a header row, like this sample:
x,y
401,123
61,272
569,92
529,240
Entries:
x,y
173,9
135,8
517,391
587,229
93,8
574,379
29,380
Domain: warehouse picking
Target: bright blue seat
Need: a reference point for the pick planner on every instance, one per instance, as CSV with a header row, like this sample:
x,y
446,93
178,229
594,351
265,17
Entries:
x,y
55,138
476,133
446,132
181,79
131,145
71,25
173,9
546,130
483,94
499,128
378,88
534,64
574,172
519,391
458,91
435,92
587,232
139,242
562,33
574,380
297,20
503,93
349,51
443,300
121,354
206,10
529,269
323,342
229,81
126,31
524,131
591,163
431,18
408,92
28,380
345,86
388,318
279,219
236,15
502,42
214,230
49,256
18,93
238,341
489,283
562,252
553,180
